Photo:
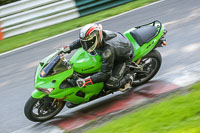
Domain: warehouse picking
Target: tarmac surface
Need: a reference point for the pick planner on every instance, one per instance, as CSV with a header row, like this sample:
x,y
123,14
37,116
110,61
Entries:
x,y
181,19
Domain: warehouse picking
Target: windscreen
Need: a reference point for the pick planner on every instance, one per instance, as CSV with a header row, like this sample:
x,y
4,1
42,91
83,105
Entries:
x,y
55,66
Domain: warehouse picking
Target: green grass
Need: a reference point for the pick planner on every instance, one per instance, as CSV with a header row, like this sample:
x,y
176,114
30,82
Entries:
x,y
175,114
36,35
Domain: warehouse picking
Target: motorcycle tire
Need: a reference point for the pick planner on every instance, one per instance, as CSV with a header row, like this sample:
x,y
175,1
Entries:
x,y
157,60
44,105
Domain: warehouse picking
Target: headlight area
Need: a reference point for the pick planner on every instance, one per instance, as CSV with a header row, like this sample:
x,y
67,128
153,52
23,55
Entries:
x,y
46,90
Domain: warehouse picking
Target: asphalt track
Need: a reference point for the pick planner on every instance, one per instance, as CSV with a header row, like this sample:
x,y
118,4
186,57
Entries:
x,y
180,17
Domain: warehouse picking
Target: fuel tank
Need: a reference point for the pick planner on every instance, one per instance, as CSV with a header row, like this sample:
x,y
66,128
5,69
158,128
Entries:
x,y
84,62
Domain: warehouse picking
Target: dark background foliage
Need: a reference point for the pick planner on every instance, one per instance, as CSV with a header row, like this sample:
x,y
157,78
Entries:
x,y
4,2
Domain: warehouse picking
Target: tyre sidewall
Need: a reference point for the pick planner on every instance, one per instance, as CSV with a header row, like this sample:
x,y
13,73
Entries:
x,y
29,107
154,54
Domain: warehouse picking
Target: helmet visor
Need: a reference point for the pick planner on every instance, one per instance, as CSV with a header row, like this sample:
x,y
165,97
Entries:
x,y
89,45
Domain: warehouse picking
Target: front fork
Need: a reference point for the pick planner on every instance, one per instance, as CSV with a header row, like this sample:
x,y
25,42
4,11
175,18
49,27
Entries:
x,y
39,95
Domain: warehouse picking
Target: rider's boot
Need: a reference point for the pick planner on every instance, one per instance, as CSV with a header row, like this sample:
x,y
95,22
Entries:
x,y
125,83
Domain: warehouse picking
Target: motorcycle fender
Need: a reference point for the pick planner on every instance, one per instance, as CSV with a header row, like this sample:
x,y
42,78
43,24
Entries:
x,y
38,94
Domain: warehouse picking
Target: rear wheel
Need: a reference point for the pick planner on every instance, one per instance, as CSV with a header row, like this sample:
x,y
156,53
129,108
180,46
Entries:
x,y
148,67
39,110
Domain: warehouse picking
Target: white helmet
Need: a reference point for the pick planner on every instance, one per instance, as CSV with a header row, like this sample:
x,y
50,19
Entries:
x,y
91,36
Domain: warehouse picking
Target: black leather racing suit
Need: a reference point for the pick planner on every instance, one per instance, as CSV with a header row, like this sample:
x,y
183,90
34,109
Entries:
x,y
116,51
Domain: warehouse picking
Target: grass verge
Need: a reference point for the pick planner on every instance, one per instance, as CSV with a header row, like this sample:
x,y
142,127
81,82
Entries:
x,y
176,114
36,35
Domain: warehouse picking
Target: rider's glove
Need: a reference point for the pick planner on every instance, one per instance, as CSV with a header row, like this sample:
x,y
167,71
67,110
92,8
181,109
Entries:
x,y
84,82
64,50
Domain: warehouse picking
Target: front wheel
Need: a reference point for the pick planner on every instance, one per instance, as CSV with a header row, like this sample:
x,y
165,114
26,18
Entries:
x,y
149,66
39,110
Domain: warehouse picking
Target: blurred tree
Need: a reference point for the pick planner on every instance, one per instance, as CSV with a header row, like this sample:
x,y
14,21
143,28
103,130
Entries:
x,y
4,2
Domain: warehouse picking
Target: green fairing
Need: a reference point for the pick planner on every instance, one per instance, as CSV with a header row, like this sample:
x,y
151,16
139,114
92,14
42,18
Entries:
x,y
84,63
38,94
80,64
141,51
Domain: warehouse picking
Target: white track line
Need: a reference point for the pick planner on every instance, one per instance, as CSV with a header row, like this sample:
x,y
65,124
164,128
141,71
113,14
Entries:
x,y
5,53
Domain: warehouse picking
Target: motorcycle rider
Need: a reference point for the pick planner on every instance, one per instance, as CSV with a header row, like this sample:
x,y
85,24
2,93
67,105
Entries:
x,y
116,53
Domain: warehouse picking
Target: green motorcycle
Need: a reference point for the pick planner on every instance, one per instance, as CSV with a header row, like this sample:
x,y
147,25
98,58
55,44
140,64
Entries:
x,y
55,78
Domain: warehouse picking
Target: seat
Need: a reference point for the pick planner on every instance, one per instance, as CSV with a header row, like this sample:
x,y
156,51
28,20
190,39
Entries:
x,y
144,34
